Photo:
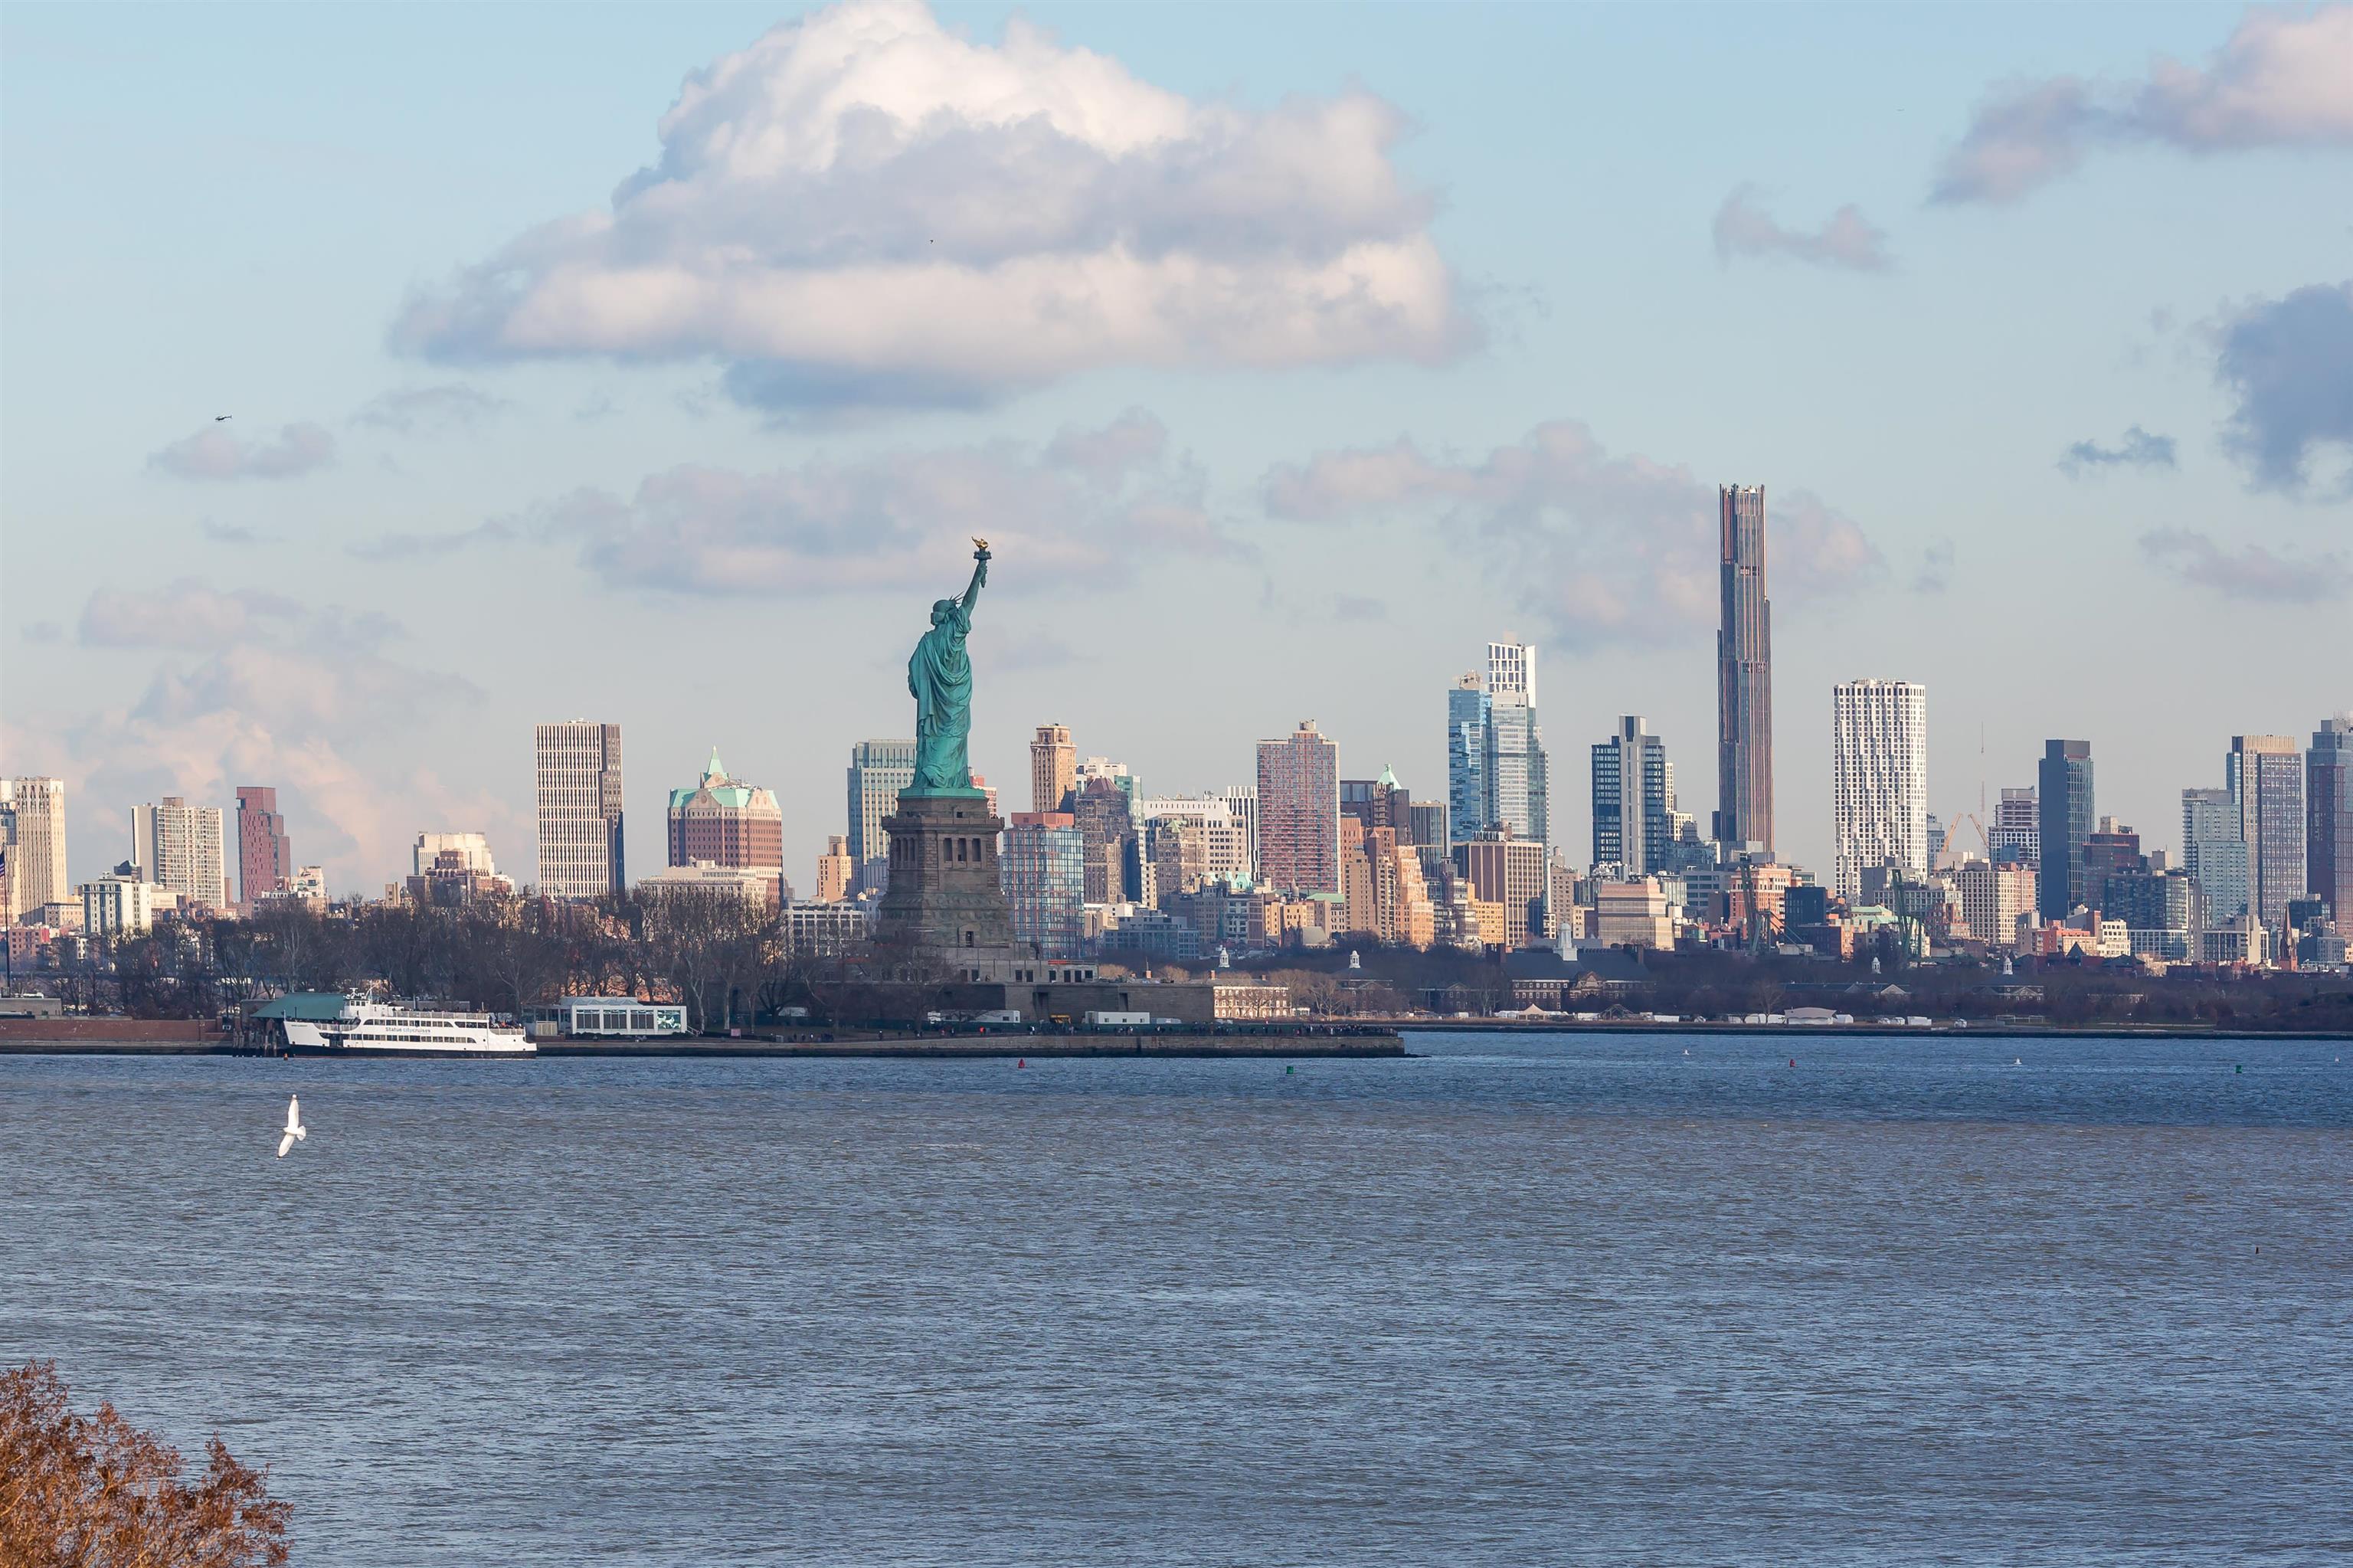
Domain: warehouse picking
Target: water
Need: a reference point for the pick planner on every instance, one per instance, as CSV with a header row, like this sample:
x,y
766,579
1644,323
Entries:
x,y
1529,1299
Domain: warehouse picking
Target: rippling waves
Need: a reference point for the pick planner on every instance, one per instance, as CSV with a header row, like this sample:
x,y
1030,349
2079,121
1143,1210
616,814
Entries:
x,y
1523,1300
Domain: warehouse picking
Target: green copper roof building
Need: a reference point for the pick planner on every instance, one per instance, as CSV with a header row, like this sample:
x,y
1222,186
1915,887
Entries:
x,y
729,823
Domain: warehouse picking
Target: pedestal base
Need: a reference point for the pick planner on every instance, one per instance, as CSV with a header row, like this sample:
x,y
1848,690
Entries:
x,y
943,900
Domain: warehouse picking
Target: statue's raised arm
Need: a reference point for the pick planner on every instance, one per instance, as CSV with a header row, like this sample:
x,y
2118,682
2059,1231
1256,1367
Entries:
x,y
979,575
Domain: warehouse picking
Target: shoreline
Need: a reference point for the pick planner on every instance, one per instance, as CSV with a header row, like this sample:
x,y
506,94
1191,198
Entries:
x,y
1381,1043
1384,1041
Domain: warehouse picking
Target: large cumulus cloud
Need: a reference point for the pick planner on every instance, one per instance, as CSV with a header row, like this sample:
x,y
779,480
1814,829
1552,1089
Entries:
x,y
863,208
1608,547
2284,78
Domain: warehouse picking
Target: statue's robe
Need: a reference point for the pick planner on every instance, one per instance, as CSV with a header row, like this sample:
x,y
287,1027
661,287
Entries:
x,y
939,677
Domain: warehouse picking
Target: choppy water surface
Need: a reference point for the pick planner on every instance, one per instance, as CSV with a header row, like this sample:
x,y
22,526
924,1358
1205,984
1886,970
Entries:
x,y
1527,1299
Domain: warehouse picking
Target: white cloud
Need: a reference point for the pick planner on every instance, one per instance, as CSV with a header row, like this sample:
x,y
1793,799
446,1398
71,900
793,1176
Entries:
x,y
2138,449
1085,509
863,208
215,452
2289,363
2253,573
188,614
431,411
1610,548
2284,78
258,690
1743,227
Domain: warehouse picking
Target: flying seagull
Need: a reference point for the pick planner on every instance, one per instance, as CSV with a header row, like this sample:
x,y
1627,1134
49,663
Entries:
x,y
294,1127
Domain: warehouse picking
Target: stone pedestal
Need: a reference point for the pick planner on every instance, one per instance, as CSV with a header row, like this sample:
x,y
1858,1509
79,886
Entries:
x,y
943,900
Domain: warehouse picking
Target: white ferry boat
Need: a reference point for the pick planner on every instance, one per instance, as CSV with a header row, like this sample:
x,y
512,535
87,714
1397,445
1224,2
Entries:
x,y
363,1028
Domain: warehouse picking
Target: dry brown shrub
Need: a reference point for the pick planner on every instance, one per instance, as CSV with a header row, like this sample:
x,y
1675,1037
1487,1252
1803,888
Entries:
x,y
94,1491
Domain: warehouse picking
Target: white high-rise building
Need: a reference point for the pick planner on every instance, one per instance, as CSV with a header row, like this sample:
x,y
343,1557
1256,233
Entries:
x,y
179,847
580,841
1224,847
1517,780
1879,778
37,859
1243,800
1511,671
473,851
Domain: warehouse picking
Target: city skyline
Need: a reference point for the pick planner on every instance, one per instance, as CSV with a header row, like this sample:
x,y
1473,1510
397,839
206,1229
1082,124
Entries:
x,y
1525,462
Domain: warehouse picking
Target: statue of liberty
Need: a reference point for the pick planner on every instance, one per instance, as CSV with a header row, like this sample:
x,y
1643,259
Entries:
x,y
939,677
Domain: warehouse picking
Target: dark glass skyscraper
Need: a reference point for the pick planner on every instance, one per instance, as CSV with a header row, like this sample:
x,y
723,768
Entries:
x,y
2328,807
2064,785
1744,676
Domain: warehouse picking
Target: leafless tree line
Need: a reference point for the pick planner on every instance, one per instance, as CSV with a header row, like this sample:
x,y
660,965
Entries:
x,y
728,961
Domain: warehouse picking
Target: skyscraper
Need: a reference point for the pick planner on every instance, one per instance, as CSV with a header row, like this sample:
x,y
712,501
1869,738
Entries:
x,y
878,770
1517,782
2063,787
1044,877
579,778
2215,856
1879,776
1466,755
2328,817
1105,816
1243,800
1053,767
1743,675
1633,800
1299,811
179,847
265,860
729,823
2265,774
1515,873
1380,803
2017,832
37,865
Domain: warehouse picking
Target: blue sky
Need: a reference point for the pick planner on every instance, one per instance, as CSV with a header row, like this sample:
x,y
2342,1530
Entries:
x,y
439,516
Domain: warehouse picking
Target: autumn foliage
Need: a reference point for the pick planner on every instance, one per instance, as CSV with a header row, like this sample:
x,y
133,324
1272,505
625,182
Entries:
x,y
95,1491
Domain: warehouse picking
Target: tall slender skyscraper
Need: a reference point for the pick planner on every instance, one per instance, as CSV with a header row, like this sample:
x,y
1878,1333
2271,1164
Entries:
x,y
1053,767
878,770
1466,755
579,779
2063,785
1744,676
1299,811
2265,774
1879,778
1517,778
2328,817
36,862
265,861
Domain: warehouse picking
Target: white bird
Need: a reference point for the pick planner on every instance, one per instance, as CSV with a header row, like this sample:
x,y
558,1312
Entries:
x,y
294,1127
2018,1061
